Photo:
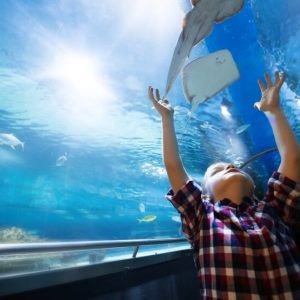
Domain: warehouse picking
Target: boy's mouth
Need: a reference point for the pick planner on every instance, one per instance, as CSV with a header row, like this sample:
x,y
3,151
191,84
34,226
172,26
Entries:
x,y
232,170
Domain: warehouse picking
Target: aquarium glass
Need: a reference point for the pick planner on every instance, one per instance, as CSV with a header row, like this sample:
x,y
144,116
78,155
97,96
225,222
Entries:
x,y
80,144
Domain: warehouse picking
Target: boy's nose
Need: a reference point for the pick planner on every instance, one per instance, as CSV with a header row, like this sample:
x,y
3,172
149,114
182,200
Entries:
x,y
230,166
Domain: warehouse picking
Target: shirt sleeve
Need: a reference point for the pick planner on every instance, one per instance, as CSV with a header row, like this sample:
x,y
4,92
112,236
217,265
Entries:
x,y
284,195
189,204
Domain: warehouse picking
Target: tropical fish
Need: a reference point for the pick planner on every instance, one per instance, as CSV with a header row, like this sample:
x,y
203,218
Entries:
x,y
147,219
10,140
242,128
197,24
60,162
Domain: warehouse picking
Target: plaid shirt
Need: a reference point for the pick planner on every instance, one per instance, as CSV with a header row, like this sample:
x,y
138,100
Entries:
x,y
244,251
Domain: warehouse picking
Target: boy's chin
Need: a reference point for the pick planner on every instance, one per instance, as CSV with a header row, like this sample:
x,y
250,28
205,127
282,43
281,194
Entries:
x,y
238,180
238,177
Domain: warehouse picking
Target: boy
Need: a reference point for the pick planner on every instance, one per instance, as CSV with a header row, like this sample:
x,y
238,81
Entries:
x,y
243,248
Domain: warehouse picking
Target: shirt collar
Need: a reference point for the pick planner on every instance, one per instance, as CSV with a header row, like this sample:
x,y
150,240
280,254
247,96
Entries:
x,y
247,202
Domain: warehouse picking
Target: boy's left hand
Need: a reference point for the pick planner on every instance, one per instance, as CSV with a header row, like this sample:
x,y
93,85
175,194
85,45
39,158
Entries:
x,y
269,101
163,107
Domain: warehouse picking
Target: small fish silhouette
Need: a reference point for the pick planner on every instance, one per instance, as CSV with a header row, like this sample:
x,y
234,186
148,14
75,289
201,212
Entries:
x,y
142,207
60,162
242,128
147,219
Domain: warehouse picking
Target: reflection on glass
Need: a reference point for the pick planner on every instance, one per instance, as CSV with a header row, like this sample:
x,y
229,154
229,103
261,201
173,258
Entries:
x,y
79,142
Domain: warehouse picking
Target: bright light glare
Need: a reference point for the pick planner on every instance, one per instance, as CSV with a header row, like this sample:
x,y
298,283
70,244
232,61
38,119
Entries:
x,y
82,96
76,69
78,73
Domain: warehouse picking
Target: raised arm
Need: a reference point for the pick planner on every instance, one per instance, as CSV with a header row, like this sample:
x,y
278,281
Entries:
x,y
286,141
173,164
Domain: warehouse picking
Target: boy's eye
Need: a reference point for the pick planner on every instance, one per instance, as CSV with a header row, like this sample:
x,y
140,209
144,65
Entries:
x,y
214,172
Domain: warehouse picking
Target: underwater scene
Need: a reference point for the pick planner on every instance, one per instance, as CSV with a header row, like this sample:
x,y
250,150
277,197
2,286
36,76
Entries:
x,y
80,144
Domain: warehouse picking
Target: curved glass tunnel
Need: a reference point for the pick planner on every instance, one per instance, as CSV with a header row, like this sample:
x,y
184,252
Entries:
x,y
87,163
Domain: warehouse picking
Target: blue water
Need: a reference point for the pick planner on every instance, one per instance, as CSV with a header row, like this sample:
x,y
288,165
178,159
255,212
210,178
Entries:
x,y
73,82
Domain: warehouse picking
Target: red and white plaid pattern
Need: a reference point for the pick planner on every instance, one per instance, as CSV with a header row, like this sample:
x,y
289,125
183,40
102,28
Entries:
x,y
244,251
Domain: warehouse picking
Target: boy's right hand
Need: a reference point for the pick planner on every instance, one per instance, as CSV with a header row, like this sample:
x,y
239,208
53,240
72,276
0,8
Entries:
x,y
270,102
162,106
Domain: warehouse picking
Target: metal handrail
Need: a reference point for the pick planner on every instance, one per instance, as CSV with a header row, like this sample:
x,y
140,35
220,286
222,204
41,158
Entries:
x,y
257,156
6,249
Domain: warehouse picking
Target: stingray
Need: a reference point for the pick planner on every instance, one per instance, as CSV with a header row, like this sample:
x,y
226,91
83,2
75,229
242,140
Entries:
x,y
198,24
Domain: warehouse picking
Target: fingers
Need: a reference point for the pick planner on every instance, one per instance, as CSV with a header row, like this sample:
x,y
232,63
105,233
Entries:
x,y
268,80
277,77
150,93
261,85
157,95
279,81
156,98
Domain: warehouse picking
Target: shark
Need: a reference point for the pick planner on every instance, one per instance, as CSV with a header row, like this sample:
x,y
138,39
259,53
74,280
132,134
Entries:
x,y
10,140
198,24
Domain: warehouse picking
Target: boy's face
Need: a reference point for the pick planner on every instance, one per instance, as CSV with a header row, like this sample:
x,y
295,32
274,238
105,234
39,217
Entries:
x,y
221,178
